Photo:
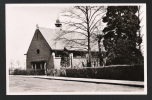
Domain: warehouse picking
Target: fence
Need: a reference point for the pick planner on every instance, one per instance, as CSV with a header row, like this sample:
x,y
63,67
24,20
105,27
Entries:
x,y
74,62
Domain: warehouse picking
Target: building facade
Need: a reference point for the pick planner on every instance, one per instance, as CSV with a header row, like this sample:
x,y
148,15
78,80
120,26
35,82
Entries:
x,y
46,53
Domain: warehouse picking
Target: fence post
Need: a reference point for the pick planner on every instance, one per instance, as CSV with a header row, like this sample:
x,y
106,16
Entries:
x,y
53,55
35,68
40,66
87,58
71,59
45,68
32,66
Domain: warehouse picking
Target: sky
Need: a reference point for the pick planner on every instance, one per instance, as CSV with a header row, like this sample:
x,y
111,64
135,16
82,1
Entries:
x,y
21,21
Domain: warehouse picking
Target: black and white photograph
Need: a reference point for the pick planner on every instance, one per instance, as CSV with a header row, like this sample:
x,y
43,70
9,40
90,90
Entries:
x,y
76,49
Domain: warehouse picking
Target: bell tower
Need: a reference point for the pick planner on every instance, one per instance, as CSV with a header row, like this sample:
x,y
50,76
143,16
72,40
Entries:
x,y
58,24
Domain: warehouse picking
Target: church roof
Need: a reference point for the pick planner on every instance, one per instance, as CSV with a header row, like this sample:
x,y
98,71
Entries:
x,y
51,37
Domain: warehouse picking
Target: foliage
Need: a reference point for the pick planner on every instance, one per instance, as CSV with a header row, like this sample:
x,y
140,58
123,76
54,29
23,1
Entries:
x,y
35,72
117,72
120,35
29,72
19,72
65,59
57,72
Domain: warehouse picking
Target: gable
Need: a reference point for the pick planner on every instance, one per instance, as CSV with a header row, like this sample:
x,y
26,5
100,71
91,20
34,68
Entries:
x,y
39,49
50,35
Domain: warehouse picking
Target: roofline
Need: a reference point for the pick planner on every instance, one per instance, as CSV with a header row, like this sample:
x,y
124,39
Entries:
x,y
31,40
73,50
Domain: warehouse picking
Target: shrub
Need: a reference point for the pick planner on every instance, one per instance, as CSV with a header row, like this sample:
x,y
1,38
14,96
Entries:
x,y
56,72
62,72
36,72
119,72
19,72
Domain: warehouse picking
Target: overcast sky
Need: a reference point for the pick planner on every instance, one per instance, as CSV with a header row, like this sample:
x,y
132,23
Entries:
x,y
21,23
21,20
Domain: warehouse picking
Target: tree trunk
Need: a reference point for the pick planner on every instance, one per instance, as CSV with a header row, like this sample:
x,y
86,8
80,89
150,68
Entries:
x,y
99,46
88,31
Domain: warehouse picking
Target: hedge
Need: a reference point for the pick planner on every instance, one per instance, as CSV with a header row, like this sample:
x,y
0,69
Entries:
x,y
57,72
119,72
29,72
35,72
19,72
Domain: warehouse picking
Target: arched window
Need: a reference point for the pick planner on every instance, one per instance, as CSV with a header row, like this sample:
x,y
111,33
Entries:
x,y
38,51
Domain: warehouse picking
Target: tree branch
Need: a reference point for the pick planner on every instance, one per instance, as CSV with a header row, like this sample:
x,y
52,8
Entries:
x,y
72,40
95,12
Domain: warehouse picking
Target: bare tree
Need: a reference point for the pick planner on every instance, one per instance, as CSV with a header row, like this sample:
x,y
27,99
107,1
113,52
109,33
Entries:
x,y
11,64
18,63
83,21
24,65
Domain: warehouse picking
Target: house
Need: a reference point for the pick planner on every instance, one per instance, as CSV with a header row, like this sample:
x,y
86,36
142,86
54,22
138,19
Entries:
x,y
45,52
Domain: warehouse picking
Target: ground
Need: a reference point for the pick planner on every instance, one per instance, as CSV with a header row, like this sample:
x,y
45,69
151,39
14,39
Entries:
x,y
30,84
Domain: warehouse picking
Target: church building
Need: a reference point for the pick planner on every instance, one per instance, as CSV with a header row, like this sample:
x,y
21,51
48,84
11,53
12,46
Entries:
x,y
45,52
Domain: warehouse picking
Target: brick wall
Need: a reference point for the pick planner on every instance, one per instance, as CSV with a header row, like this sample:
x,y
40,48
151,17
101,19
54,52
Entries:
x,y
57,62
38,42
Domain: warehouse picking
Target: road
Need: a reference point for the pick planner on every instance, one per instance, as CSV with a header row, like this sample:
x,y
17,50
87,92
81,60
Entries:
x,y
29,84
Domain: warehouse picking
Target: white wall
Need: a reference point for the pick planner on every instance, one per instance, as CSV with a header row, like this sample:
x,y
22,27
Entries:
x,y
57,62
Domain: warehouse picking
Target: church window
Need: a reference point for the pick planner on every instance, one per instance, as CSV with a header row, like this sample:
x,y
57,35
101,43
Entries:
x,y
38,51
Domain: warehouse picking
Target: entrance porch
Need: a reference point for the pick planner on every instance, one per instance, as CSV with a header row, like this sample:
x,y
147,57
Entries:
x,y
39,65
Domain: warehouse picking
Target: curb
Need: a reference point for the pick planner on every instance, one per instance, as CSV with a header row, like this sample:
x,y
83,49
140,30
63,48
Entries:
x,y
98,81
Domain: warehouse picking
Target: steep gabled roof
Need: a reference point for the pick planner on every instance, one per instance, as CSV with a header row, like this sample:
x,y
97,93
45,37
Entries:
x,y
51,34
